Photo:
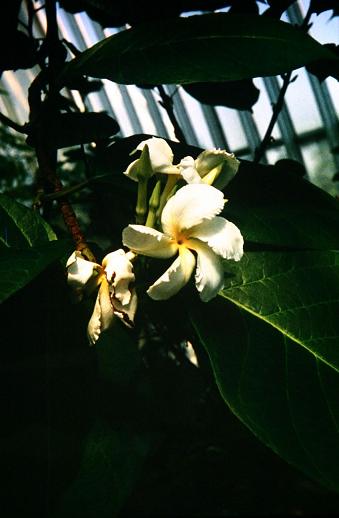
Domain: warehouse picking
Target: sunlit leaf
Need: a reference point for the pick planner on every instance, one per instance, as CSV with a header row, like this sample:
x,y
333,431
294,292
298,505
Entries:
x,y
287,396
295,292
19,266
21,226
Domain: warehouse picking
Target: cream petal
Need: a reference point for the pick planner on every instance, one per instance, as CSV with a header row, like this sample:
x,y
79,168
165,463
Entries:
x,y
80,271
222,236
132,170
188,170
218,165
119,273
209,275
126,313
175,278
161,155
103,316
148,241
189,206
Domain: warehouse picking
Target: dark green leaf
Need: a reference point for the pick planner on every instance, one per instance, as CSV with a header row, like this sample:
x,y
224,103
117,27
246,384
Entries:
x,y
319,6
70,129
277,7
285,395
295,292
116,14
275,206
240,95
324,68
180,51
21,226
19,266
111,463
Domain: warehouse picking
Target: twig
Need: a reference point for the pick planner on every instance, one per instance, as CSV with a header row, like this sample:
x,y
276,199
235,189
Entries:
x,y
46,152
259,152
14,125
287,79
167,103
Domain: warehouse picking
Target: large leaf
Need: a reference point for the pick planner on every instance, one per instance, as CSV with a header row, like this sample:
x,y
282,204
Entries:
x,y
274,206
240,95
111,462
19,266
71,129
285,395
295,292
21,226
210,47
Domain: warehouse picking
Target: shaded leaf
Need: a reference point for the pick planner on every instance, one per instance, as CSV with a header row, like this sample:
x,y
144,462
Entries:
x,y
84,85
240,95
19,266
21,52
70,129
277,7
134,12
111,463
180,51
274,206
21,226
324,68
319,6
285,395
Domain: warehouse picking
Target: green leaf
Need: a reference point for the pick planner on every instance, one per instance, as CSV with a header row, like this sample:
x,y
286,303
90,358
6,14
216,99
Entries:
x,y
271,205
71,129
286,396
240,95
21,226
180,51
19,266
111,463
295,292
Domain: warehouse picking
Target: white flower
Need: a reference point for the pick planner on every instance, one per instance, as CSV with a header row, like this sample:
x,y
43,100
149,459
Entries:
x,y
189,222
214,166
156,157
115,298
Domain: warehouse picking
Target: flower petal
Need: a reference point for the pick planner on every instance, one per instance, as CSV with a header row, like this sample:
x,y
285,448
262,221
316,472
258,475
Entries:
x,y
188,170
126,313
217,166
148,241
103,316
175,278
132,170
191,205
119,273
156,157
222,236
82,274
209,275
161,155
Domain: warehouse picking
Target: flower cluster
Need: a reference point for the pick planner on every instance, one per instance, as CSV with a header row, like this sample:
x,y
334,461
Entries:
x,y
182,222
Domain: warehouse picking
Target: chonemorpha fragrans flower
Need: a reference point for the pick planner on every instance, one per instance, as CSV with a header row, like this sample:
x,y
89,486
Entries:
x,y
214,166
192,231
114,298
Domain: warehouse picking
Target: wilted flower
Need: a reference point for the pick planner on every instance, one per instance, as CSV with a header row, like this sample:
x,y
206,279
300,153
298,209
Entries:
x,y
190,223
115,298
